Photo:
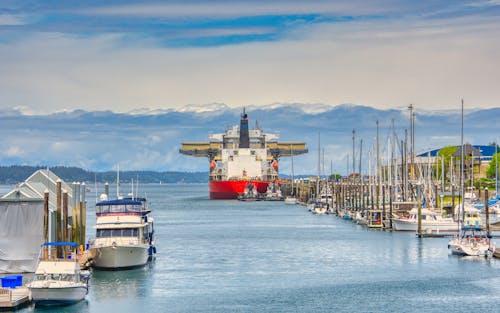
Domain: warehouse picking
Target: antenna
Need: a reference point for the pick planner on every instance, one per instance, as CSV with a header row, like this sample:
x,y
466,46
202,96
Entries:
x,y
118,181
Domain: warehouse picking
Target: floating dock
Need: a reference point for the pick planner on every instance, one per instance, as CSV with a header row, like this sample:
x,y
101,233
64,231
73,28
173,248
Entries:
x,y
12,298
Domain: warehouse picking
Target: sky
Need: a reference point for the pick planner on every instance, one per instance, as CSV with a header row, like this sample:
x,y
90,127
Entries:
x,y
126,56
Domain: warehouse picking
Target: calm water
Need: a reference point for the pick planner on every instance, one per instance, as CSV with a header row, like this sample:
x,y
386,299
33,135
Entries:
x,y
228,256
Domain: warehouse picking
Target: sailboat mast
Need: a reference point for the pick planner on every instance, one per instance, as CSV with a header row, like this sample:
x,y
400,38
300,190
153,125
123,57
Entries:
x,y
496,169
319,165
353,151
291,154
462,208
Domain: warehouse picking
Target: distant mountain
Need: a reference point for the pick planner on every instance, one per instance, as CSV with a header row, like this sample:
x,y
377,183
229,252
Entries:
x,y
146,140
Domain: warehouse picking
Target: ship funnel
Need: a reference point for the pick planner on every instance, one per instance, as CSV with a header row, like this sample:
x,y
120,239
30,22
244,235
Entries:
x,y
244,137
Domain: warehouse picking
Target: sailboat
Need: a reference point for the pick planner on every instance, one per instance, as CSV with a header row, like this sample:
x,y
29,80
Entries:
x,y
291,198
472,240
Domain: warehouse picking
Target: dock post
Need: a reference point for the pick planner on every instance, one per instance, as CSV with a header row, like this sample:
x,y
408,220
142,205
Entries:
x,y
383,205
453,201
83,213
59,215
435,195
390,206
419,212
65,219
487,208
46,220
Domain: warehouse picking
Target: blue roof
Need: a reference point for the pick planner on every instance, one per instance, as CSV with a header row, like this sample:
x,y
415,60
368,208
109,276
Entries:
x,y
486,151
61,243
119,202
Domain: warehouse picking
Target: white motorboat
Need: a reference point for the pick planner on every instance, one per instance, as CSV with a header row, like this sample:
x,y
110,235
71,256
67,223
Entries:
x,y
319,208
124,234
290,200
361,217
471,241
431,222
58,278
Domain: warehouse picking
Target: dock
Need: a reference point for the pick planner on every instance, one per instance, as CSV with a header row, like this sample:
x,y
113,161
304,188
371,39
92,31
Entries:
x,y
12,298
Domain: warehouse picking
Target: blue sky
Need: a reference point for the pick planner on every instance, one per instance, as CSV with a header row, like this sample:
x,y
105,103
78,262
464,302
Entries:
x,y
128,55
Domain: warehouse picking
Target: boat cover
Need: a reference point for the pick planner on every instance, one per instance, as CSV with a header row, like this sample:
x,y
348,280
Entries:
x,y
21,234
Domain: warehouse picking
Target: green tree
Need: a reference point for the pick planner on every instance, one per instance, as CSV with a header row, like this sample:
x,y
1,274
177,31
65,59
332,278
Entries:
x,y
445,153
335,177
490,172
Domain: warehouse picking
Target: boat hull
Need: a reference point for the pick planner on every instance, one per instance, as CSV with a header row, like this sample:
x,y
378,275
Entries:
x,y
230,189
58,295
121,257
410,225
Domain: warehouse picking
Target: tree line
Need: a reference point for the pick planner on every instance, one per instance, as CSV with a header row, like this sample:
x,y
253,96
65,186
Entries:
x,y
18,173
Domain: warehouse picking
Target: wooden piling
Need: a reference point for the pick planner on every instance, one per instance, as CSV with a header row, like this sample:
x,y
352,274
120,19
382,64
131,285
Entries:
x,y
46,216
65,216
383,205
487,209
390,206
419,212
59,236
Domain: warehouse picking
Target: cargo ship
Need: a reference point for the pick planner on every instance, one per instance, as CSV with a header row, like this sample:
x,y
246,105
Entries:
x,y
241,157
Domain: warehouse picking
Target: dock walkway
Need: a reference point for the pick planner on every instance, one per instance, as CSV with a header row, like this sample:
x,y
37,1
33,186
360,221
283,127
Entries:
x,y
13,298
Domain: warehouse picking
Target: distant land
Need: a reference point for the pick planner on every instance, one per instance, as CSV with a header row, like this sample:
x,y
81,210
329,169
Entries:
x,y
17,174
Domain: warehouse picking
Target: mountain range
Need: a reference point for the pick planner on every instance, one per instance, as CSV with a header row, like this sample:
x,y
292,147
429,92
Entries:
x,y
146,140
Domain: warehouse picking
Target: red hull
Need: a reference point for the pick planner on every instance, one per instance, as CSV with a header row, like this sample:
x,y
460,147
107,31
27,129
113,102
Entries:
x,y
230,189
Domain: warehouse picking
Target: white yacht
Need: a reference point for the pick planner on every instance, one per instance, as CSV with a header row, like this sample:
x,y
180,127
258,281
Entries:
x,y
431,221
58,278
124,234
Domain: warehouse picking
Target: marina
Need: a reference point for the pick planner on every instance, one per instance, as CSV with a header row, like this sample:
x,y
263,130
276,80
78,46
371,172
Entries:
x,y
267,156
221,256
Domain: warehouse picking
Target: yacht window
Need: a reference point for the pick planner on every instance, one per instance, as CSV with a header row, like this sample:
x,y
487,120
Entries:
x,y
127,232
116,208
135,232
103,233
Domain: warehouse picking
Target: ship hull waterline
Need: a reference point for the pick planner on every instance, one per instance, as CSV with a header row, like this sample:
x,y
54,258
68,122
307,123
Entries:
x,y
230,189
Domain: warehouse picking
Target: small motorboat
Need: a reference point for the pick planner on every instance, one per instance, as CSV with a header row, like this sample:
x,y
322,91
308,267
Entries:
x,y
58,277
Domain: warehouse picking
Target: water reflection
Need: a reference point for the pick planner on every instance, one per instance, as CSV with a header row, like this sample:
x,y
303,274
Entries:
x,y
113,285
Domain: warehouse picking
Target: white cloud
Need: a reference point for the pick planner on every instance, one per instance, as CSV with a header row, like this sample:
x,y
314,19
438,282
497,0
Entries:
x,y
389,64
14,151
245,8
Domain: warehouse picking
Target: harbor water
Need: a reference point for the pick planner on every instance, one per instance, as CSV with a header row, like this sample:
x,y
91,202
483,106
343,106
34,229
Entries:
x,y
230,256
